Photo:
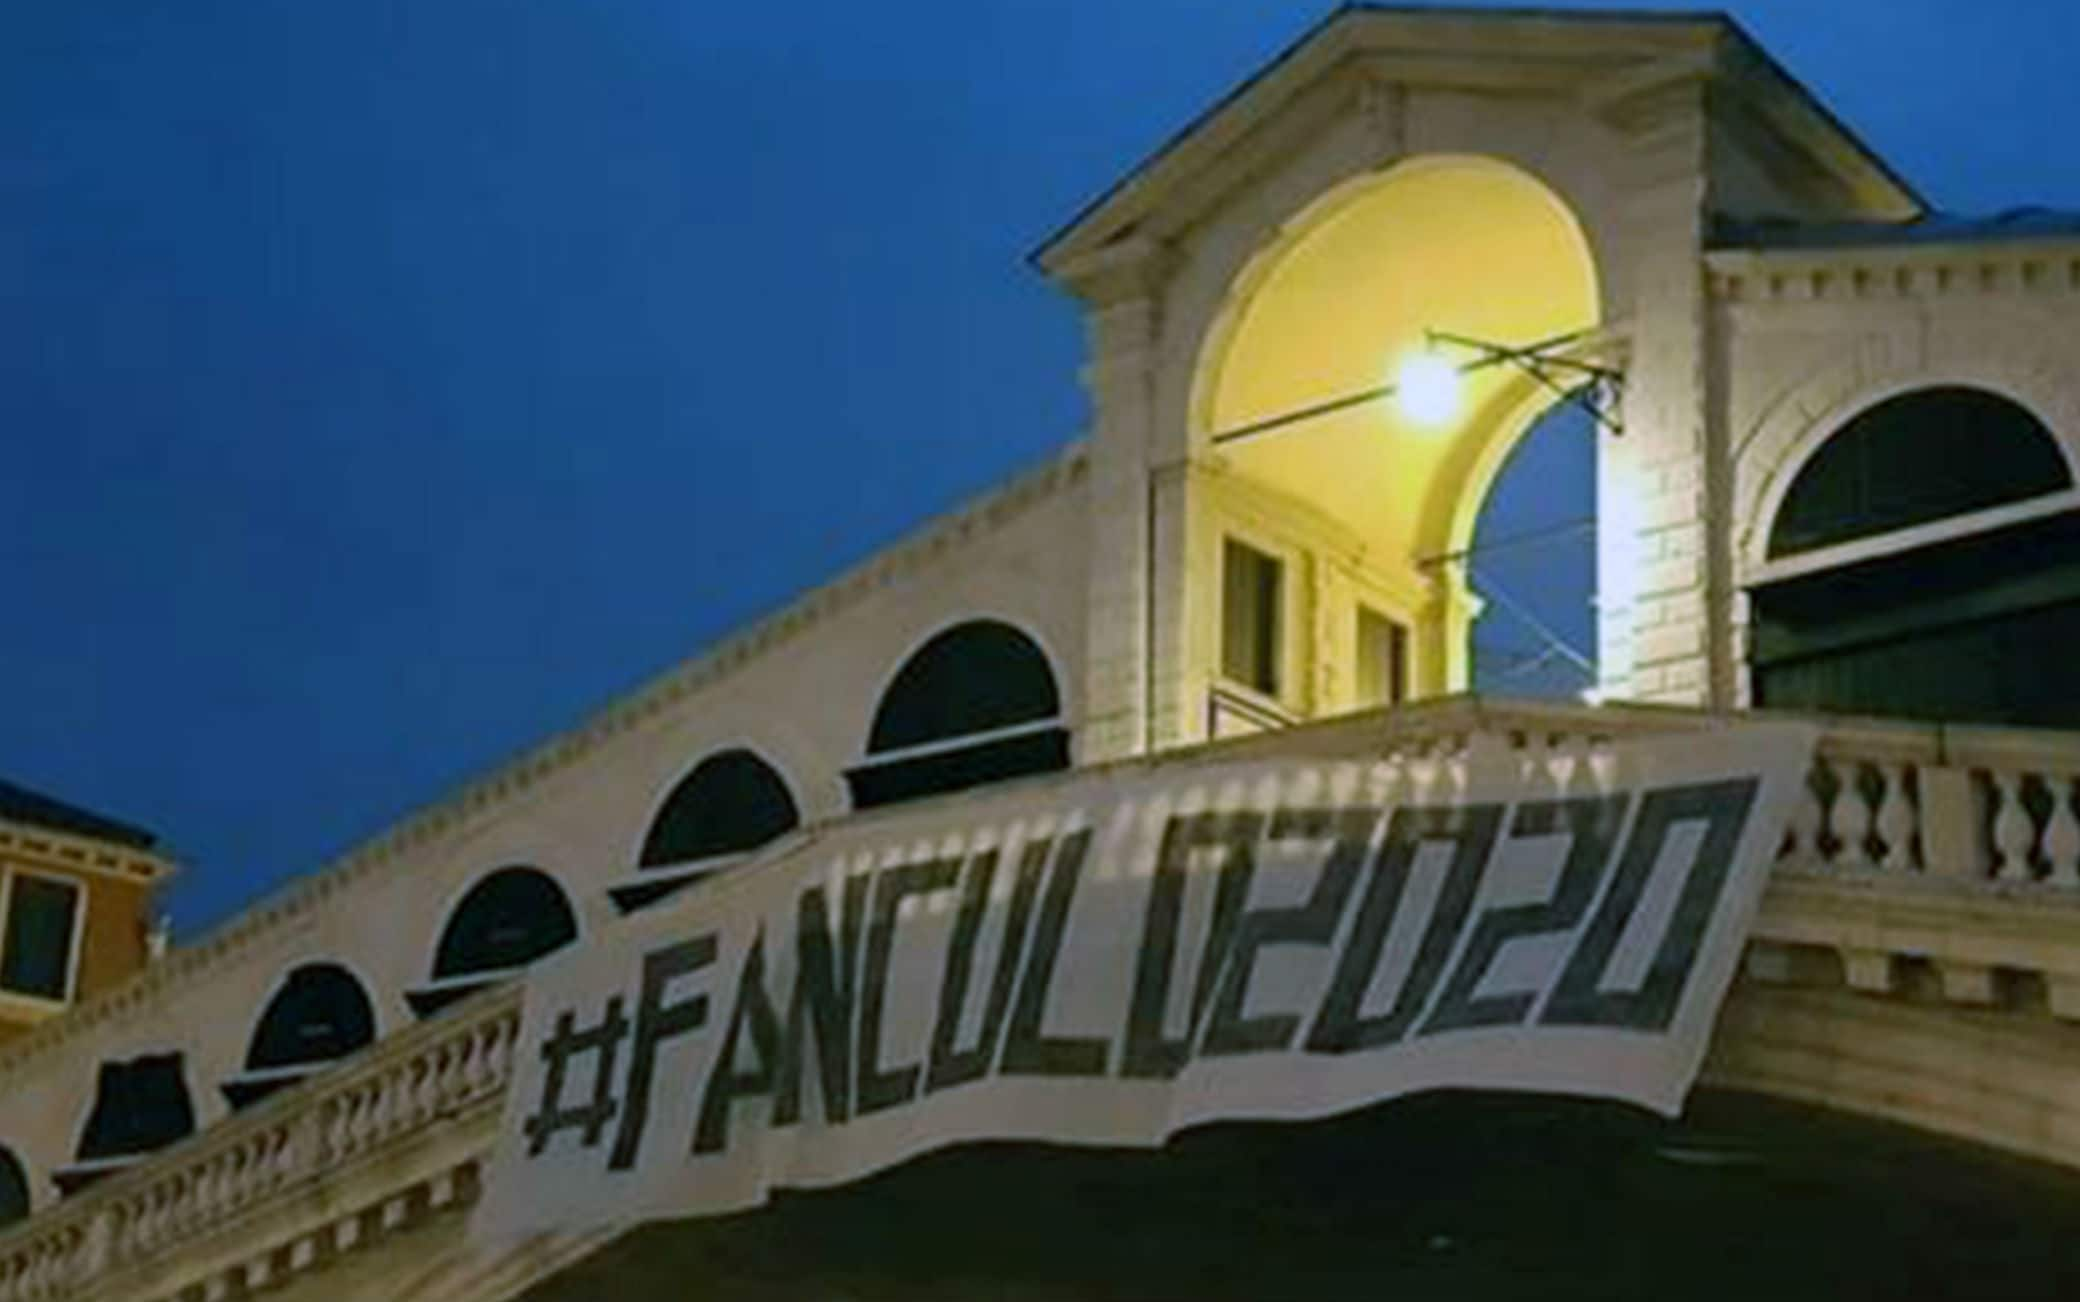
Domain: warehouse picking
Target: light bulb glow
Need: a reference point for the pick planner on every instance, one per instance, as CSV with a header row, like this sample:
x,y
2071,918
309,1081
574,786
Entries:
x,y
1427,389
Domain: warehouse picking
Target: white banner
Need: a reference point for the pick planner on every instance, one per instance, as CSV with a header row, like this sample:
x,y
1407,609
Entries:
x,y
1113,957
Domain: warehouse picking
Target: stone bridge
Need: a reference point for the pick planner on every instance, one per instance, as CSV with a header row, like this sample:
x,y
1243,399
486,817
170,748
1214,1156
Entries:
x,y
1916,962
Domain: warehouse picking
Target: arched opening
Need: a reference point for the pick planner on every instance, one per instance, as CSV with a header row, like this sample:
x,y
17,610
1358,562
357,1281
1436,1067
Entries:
x,y
1532,563
507,920
320,1015
977,703
140,1105
1365,507
14,1188
730,804
1920,563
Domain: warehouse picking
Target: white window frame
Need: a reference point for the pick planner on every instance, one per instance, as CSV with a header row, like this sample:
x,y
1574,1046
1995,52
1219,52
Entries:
x,y
1398,618
8,877
1286,663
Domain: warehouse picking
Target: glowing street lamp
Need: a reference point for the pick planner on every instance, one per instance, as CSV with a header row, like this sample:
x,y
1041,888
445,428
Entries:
x,y
1429,389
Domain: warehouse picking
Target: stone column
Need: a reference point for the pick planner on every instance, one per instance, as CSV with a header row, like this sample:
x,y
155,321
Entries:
x,y
1660,561
1122,320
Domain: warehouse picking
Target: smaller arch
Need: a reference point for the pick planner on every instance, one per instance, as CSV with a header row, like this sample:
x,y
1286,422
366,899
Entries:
x,y
976,703
507,920
1920,456
1917,561
319,1015
731,803
14,1188
140,1105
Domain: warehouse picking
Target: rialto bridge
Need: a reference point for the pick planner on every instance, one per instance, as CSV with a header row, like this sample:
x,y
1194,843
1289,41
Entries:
x,y
1835,435
1911,982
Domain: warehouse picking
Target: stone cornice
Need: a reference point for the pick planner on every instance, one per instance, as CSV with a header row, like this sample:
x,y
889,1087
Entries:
x,y
1880,271
481,798
46,847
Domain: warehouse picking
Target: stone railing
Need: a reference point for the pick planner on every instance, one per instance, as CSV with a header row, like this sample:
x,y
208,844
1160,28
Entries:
x,y
1962,803
1970,803
201,1201
1924,861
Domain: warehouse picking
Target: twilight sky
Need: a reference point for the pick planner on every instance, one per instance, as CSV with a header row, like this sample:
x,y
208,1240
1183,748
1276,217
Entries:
x,y
385,385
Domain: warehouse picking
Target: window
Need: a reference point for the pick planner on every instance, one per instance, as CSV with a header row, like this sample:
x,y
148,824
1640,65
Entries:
x,y
1953,632
320,1014
1916,458
1252,589
732,803
36,957
1953,628
1382,677
506,921
140,1104
975,704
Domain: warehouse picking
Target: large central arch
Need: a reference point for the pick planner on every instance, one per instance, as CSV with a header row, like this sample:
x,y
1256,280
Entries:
x,y
1333,304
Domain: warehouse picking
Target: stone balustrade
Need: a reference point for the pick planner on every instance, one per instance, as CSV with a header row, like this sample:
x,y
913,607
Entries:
x,y
285,1164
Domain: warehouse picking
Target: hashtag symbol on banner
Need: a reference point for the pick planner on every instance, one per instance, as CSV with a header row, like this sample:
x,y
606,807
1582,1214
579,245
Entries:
x,y
563,1044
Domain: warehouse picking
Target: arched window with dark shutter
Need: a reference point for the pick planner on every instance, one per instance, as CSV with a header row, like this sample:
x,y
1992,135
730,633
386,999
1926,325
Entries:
x,y
507,920
1914,459
140,1105
14,1188
320,1015
730,804
977,703
1966,565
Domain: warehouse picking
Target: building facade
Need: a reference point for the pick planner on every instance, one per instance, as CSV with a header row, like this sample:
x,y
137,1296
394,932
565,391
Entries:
x,y
1835,452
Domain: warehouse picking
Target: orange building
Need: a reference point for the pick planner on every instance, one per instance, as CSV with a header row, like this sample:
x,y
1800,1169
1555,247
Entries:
x,y
75,904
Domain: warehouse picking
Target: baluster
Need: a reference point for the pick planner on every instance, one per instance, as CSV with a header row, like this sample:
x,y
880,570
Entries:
x,y
1574,771
475,1063
426,1095
469,1065
247,1171
1853,818
426,1077
1897,819
502,1047
353,1118
2013,830
283,1143
2062,834
1808,817
333,1130
454,1077
447,1071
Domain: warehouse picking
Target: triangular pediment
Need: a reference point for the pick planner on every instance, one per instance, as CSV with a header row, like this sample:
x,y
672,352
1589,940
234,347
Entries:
x,y
1600,59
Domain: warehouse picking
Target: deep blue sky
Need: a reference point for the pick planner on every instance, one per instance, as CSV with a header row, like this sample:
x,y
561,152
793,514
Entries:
x,y
385,385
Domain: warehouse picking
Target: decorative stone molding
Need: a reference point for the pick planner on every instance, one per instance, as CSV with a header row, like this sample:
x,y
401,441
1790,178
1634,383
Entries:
x,y
1882,272
43,845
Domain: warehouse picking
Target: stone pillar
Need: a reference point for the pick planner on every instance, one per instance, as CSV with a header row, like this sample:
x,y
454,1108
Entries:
x,y
1660,561
1122,320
